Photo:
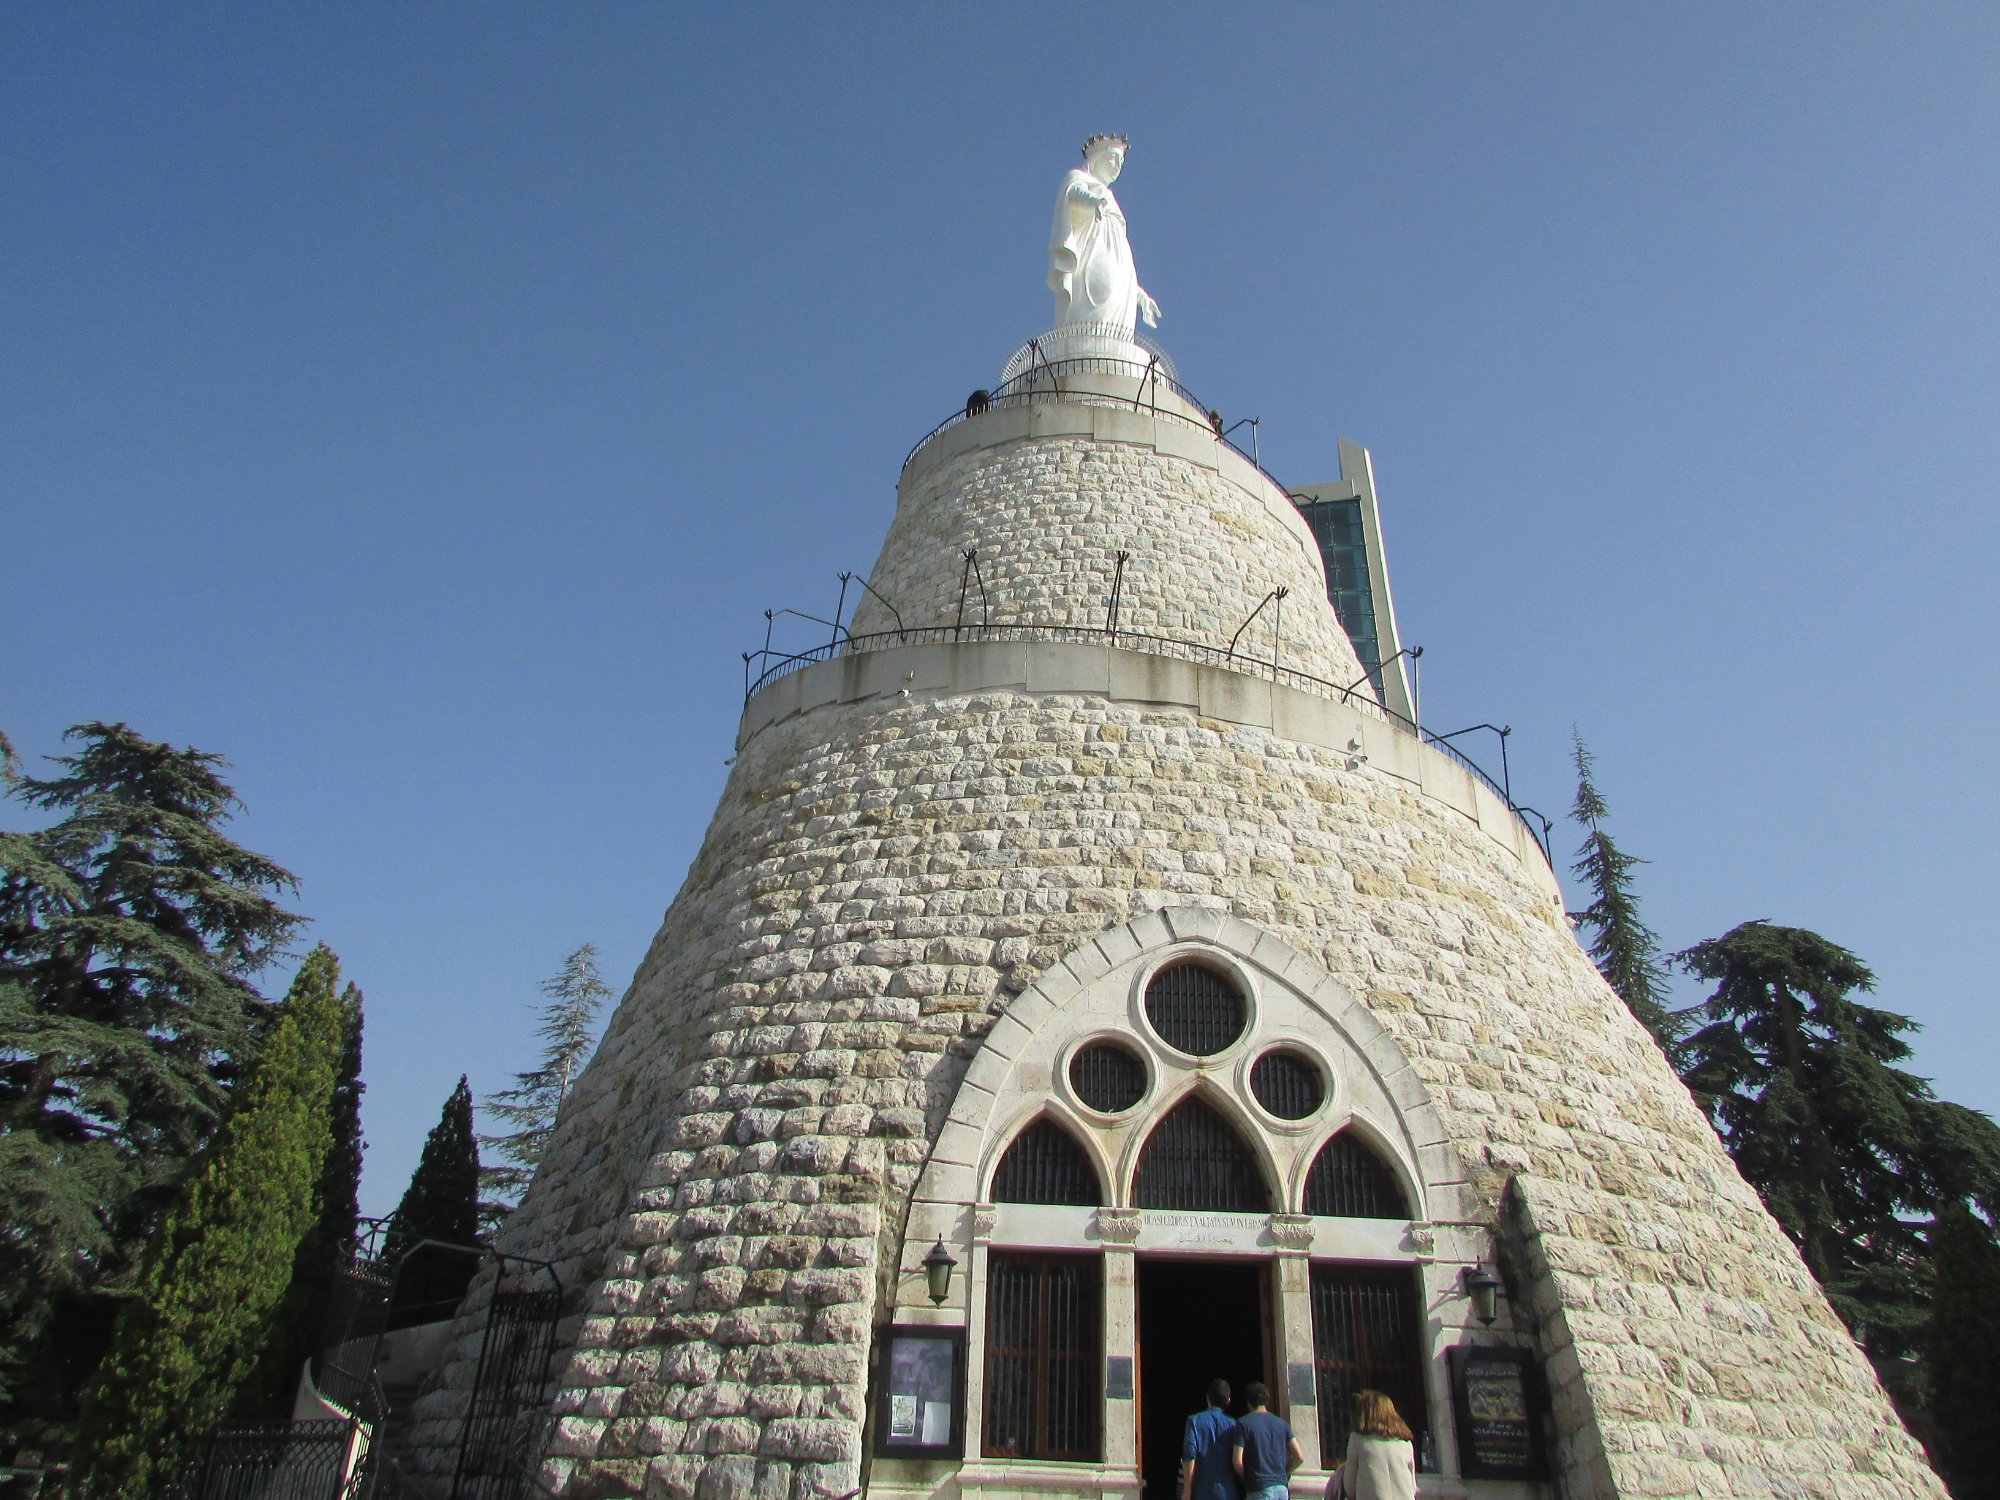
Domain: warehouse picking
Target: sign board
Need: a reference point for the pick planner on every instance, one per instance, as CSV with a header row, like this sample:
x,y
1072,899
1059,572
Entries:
x,y
1301,1386
922,1410
1118,1377
1497,1401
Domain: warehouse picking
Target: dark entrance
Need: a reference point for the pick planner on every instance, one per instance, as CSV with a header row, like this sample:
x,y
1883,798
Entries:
x,y
1197,1319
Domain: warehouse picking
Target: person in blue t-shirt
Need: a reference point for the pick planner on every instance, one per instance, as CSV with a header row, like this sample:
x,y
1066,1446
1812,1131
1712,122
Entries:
x,y
1265,1450
1207,1471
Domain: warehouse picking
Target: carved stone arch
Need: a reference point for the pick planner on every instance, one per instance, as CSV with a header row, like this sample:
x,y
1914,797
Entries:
x,y
1377,1144
1251,1142
984,1106
1060,1117
1209,1091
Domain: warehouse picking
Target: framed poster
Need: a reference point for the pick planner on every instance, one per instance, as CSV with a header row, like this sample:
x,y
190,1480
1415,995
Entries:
x,y
1497,1403
922,1407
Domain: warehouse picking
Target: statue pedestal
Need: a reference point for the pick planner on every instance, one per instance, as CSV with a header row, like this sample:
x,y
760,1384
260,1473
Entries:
x,y
1092,341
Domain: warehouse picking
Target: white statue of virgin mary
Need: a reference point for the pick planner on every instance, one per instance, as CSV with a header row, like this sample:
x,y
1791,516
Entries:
x,y
1090,258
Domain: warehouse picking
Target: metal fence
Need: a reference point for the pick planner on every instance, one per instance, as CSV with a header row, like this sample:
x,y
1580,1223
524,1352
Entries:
x,y
763,667
269,1461
1042,381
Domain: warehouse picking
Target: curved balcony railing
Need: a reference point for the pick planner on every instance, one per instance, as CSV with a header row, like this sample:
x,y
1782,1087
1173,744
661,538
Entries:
x,y
763,667
1042,381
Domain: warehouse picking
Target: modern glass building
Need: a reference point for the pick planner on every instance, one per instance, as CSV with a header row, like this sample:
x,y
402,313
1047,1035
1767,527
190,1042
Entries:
x,y
1347,525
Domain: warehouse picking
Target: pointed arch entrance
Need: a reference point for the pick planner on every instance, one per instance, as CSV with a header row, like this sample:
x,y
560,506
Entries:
x,y
1191,1133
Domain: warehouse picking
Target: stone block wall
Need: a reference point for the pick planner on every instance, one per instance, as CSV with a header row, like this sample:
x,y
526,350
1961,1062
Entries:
x,y
877,885
1208,539
726,1190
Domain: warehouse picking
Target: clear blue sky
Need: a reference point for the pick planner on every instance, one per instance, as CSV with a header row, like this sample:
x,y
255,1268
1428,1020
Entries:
x,y
420,405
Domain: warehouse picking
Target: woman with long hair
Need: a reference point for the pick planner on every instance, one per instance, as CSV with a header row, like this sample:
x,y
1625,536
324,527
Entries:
x,y
1381,1453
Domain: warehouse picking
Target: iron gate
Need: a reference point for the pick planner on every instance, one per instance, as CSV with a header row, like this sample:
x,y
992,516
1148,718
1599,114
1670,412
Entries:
x,y
496,1454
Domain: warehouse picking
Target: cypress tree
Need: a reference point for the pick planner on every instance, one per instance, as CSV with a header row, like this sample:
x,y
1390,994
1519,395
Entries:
x,y
223,1255
1625,950
441,1203
568,1032
129,932
327,1245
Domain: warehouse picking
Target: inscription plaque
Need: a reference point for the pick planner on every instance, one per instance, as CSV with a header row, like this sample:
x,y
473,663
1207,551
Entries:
x,y
1302,1388
1118,1377
1498,1407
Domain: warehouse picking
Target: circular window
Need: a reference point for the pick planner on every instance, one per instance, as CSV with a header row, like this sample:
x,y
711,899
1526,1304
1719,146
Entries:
x,y
1288,1084
1107,1078
1194,1009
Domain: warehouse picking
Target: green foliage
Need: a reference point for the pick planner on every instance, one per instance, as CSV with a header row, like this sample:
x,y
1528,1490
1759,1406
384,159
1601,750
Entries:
x,y
568,1032
223,1255
296,1325
1625,950
1959,1340
441,1203
129,931
1853,1156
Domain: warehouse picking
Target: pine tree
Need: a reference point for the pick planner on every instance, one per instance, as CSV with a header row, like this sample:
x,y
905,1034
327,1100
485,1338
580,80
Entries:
x,y
327,1245
568,1032
441,1203
129,933
1851,1154
223,1254
1625,949
1959,1339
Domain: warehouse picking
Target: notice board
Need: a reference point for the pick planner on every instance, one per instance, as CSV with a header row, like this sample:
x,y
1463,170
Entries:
x,y
1500,1409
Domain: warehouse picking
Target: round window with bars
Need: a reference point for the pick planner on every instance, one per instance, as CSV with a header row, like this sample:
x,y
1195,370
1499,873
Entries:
x,y
1107,1078
1194,1009
1288,1084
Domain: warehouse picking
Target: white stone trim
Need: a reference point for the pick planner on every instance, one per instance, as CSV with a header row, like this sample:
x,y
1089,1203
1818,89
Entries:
x,y
1065,1086
1075,1123
1019,1074
1300,1043
1206,955
1211,1086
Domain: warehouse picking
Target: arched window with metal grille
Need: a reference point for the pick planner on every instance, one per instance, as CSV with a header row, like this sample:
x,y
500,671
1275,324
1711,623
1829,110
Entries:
x,y
1349,1181
1288,1083
1195,1160
1046,1165
1107,1077
1194,1009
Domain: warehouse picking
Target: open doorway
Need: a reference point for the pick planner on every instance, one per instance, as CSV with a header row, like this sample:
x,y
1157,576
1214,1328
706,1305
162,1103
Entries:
x,y
1198,1319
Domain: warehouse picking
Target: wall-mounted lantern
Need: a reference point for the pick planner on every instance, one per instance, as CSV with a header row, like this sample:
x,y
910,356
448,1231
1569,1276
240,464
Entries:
x,y
938,1265
1481,1285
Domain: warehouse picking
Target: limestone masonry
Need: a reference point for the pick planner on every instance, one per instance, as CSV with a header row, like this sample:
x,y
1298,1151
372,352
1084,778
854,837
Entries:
x,y
942,867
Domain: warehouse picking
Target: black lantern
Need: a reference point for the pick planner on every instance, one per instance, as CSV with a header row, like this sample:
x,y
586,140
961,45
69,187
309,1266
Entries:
x,y
938,1266
1481,1285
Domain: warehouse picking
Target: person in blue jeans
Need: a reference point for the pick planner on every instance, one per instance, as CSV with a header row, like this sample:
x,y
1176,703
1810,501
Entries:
x,y
1265,1450
1207,1468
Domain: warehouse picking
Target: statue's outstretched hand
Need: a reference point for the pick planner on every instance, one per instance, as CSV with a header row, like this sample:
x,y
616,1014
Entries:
x,y
1149,309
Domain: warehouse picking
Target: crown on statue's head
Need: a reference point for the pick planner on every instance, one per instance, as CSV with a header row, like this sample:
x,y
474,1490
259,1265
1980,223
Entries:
x,y
1106,140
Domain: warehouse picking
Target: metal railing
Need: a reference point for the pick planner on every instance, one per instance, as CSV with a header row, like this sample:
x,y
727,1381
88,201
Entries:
x,y
268,1461
1043,382
777,664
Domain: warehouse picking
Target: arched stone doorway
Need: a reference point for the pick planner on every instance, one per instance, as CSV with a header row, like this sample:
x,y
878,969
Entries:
x,y
1186,1152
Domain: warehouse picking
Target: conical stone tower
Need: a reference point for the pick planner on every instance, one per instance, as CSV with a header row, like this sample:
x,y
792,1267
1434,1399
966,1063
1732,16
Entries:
x,y
1202,1017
